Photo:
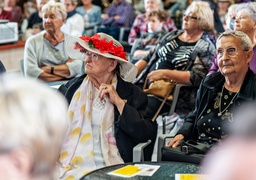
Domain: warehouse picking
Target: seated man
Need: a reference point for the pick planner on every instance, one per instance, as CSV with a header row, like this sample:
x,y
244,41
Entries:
x,y
45,54
31,127
119,14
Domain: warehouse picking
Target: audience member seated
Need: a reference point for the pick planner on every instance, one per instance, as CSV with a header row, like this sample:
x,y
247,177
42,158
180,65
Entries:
x,y
32,124
220,94
74,24
245,21
184,56
155,21
45,54
140,27
138,6
29,8
35,21
217,22
106,111
5,15
119,14
234,158
223,9
177,9
230,17
17,16
91,15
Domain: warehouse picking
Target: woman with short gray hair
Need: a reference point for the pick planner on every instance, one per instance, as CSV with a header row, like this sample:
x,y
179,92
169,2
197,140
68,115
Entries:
x,y
218,98
245,20
45,54
31,129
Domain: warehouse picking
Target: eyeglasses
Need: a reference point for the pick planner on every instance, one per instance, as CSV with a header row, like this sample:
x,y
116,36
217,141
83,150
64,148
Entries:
x,y
93,56
191,17
231,51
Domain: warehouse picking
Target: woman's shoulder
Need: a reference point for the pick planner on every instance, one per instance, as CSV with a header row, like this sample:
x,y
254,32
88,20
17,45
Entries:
x,y
36,37
96,8
213,79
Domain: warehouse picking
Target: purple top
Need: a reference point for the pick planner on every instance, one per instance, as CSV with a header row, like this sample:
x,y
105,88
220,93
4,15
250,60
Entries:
x,y
252,65
253,61
124,10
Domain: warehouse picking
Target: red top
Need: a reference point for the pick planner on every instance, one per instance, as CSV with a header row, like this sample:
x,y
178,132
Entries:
x,y
6,15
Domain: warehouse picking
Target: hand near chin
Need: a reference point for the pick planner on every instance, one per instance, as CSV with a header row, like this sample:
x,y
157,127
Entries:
x,y
108,90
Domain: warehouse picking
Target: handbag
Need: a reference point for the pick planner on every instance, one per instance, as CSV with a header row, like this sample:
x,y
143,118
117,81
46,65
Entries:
x,y
188,151
161,88
193,147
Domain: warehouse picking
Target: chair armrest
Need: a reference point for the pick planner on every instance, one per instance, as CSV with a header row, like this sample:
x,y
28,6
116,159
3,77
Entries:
x,y
134,46
175,95
138,153
161,143
121,35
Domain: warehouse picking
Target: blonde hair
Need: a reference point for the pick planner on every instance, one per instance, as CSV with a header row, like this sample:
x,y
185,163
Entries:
x,y
203,11
32,116
55,7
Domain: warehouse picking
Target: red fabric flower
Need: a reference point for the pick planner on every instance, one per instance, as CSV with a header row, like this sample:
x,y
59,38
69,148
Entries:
x,y
103,46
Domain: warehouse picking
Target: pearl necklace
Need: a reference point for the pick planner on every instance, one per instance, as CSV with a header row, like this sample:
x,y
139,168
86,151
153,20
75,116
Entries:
x,y
221,112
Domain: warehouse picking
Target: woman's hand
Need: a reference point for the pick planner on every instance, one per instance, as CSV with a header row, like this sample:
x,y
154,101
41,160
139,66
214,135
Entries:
x,y
157,75
175,141
109,91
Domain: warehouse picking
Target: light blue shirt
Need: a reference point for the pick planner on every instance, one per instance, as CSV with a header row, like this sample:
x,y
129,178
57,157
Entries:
x,y
91,17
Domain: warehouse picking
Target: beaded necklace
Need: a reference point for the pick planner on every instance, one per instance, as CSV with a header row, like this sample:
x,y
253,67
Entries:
x,y
231,102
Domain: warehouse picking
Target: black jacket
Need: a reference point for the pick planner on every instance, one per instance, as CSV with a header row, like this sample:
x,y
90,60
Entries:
x,y
131,127
208,90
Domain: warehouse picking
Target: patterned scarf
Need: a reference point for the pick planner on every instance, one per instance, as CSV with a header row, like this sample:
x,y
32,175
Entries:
x,y
77,158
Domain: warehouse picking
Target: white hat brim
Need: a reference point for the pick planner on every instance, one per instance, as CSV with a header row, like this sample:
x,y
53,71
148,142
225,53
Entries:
x,y
128,71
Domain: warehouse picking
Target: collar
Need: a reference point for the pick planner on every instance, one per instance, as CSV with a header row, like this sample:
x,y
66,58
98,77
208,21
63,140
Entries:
x,y
71,13
216,80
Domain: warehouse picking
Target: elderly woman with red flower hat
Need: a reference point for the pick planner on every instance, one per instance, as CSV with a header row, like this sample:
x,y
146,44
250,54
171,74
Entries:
x,y
106,111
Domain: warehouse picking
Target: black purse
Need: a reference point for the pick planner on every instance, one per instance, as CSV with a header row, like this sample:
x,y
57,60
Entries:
x,y
193,147
189,151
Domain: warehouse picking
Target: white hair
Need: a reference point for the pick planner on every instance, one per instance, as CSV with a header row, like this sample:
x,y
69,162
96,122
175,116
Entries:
x,y
34,117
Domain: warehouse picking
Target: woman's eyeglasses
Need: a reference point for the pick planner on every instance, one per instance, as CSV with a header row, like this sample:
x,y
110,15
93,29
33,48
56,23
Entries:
x,y
231,51
93,56
191,17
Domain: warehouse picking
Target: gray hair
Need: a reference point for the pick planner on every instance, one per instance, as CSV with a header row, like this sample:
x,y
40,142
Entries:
x,y
248,8
203,11
55,7
246,43
34,117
